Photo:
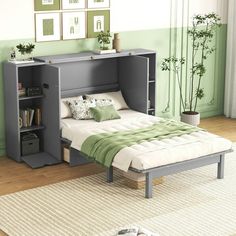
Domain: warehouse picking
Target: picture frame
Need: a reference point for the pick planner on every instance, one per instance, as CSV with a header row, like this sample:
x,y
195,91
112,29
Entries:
x,y
47,27
73,4
96,4
74,25
97,21
46,5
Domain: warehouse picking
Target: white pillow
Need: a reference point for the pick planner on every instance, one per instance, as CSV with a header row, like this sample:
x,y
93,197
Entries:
x,y
103,102
116,97
65,109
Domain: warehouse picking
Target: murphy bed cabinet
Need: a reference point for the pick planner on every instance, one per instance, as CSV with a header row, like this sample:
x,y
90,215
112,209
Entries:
x,y
131,71
32,75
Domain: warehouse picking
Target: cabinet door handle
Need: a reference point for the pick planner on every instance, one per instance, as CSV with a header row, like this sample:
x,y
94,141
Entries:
x,y
46,86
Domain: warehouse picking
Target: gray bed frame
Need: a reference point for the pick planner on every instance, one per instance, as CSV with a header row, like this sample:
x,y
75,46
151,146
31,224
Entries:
x,y
77,158
174,168
132,71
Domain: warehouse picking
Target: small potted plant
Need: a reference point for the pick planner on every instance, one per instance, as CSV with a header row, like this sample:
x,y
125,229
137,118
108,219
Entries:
x,y
104,39
201,34
26,50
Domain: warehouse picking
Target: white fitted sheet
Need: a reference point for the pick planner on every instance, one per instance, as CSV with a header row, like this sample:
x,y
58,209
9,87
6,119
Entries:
x,y
147,154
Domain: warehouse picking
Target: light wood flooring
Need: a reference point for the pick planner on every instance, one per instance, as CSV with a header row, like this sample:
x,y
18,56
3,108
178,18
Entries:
x,y
16,177
220,125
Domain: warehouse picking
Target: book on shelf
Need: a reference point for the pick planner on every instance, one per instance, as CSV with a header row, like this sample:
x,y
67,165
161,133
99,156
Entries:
x,y
22,92
27,116
31,116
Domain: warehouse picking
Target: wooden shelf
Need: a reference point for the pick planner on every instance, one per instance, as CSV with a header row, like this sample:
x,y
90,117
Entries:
x,y
30,97
32,128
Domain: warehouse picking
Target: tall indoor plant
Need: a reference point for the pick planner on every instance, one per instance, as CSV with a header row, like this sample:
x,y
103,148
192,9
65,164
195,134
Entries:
x,y
201,34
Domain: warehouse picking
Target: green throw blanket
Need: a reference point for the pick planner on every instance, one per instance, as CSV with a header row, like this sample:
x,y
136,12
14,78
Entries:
x,y
104,146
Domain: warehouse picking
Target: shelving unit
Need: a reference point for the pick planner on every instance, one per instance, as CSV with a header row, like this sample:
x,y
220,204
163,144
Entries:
x,y
29,75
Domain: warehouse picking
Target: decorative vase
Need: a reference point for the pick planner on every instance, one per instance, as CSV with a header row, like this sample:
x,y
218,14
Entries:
x,y
116,42
26,57
191,118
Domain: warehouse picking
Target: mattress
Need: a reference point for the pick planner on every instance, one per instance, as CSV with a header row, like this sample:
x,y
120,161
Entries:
x,y
147,154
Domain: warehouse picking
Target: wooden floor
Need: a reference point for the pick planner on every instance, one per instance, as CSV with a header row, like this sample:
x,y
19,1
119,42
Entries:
x,y
222,126
16,177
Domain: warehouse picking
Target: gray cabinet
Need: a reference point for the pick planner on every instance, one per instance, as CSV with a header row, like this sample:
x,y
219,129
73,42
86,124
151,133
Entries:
x,y
32,75
131,71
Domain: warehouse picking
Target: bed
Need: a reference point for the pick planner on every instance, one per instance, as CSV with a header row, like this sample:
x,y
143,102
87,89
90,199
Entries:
x,y
154,158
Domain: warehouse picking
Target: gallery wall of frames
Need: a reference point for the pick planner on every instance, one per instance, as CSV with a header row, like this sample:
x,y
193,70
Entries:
x,y
70,19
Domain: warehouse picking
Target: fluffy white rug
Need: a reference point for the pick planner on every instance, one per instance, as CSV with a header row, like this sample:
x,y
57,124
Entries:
x,y
189,203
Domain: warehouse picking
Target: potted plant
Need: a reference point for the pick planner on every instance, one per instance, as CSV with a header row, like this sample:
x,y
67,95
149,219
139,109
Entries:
x,y
104,39
26,50
201,34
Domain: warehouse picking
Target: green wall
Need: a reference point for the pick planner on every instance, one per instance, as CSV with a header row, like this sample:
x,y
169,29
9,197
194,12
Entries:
x,y
166,42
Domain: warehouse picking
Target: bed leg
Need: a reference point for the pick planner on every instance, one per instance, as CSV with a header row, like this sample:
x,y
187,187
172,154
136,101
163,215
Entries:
x,y
220,171
110,174
148,186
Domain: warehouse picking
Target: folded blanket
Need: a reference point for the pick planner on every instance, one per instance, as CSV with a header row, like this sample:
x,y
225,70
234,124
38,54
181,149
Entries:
x,y
104,146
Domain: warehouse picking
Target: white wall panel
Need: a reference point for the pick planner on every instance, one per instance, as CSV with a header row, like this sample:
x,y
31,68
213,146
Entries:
x,y
17,17
131,15
207,6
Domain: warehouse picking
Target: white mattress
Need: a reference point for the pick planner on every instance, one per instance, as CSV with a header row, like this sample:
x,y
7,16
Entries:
x,y
147,154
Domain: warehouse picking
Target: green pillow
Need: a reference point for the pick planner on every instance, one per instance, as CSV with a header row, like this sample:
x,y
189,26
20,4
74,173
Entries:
x,y
102,113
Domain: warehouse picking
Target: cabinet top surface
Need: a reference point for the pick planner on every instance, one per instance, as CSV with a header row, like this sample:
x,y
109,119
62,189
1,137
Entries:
x,y
91,55
36,63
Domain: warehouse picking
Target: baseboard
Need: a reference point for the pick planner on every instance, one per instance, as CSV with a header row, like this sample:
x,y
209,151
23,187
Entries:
x,y
211,114
2,149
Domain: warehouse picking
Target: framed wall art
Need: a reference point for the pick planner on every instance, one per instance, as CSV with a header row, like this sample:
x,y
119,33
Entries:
x,y
73,4
46,5
93,4
98,21
74,25
47,27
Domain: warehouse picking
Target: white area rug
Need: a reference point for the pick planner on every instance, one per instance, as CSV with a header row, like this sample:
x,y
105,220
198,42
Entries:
x,y
189,203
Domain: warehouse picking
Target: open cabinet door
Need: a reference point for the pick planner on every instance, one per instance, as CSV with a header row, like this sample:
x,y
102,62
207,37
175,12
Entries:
x,y
49,135
133,81
51,110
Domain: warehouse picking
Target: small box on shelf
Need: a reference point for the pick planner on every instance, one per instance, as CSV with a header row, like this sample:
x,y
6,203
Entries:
x,y
33,91
29,144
